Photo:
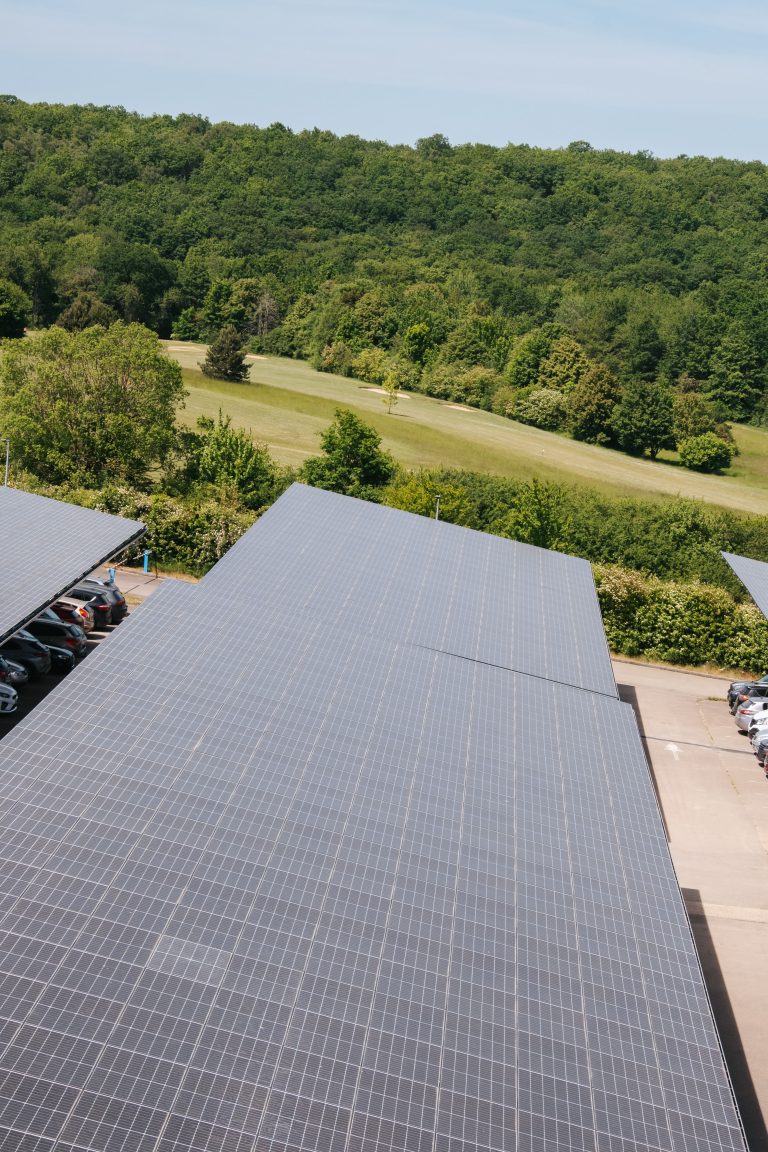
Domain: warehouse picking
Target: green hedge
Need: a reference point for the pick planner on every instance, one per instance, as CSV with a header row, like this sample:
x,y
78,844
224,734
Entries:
x,y
680,623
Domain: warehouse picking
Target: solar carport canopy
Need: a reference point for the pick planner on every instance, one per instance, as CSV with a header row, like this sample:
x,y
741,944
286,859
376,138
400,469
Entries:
x,y
753,575
273,880
46,546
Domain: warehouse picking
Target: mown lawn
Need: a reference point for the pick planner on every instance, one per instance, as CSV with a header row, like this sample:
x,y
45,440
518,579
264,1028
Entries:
x,y
287,404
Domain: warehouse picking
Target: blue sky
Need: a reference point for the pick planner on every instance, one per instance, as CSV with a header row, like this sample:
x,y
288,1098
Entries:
x,y
672,77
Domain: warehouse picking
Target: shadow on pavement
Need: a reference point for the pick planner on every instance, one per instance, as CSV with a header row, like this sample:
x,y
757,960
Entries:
x,y
743,1087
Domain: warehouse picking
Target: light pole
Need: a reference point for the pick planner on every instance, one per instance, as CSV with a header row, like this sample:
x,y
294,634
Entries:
x,y
7,453
437,508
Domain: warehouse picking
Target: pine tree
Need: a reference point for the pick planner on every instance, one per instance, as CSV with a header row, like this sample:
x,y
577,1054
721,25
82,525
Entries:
x,y
644,353
225,359
735,379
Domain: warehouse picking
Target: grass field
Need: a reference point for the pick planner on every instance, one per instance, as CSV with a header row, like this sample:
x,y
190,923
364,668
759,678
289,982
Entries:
x,y
287,404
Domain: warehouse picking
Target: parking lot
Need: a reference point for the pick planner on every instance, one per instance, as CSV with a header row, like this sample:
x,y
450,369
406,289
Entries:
x,y
714,799
135,586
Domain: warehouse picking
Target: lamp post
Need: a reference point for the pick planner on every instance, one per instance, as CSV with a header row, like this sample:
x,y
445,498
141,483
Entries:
x,y
7,454
437,508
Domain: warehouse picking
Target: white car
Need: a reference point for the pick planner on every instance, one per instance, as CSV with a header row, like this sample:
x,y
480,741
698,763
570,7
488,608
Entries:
x,y
757,722
8,698
747,711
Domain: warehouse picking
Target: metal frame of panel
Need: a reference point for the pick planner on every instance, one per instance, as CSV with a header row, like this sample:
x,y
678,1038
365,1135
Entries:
x,y
271,882
47,547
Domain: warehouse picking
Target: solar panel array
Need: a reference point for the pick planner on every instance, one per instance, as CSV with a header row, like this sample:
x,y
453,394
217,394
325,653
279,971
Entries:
x,y
753,575
46,546
274,882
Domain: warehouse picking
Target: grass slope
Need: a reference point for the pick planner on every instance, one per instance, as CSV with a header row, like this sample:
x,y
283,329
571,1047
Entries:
x,y
287,403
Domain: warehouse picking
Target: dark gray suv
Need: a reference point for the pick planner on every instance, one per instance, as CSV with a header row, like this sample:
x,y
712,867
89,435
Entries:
x,y
24,649
57,634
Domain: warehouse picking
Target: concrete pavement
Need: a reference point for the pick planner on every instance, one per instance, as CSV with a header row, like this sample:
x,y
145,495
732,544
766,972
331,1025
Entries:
x,y
714,798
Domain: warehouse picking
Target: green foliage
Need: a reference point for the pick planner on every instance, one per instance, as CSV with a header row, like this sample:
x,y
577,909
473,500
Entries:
x,y
460,385
419,495
644,352
307,240
705,453
225,358
681,623
529,353
538,516
229,458
418,342
692,415
85,407
736,378
371,365
541,407
564,367
643,420
591,405
186,326
352,461
15,307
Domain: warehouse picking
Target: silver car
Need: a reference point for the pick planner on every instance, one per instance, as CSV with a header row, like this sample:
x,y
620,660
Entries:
x,y
8,698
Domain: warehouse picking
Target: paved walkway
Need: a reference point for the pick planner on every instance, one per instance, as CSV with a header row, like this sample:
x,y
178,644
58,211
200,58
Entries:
x,y
135,584
714,799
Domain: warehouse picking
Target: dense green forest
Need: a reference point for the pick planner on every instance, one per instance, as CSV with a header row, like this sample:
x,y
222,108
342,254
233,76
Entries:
x,y
461,270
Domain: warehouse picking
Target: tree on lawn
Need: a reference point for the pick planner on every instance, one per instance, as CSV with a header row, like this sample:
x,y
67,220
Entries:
x,y
590,406
225,359
643,420
352,461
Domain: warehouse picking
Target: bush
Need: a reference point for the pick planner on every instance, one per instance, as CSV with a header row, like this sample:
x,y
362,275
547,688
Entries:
x,y
419,495
707,453
543,408
679,623
474,386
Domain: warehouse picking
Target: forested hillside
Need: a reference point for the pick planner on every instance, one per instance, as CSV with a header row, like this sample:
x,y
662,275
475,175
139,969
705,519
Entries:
x,y
476,273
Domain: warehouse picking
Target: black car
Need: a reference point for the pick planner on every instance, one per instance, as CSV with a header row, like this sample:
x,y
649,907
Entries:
x,y
57,634
24,649
739,686
62,661
112,592
98,601
748,692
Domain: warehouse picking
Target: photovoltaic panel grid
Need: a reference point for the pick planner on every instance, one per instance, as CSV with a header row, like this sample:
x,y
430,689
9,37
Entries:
x,y
392,574
753,575
46,546
270,883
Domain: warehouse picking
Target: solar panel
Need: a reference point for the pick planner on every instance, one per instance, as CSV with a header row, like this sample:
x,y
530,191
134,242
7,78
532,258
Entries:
x,y
753,575
46,546
271,882
392,574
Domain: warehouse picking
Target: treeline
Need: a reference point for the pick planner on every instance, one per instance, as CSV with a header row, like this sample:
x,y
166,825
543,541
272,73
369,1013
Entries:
x,y
442,264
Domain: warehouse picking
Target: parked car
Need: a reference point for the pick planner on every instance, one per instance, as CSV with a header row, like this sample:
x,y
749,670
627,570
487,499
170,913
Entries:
x,y
750,692
57,634
17,673
119,606
758,722
24,649
62,660
99,603
72,612
746,711
8,699
739,686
